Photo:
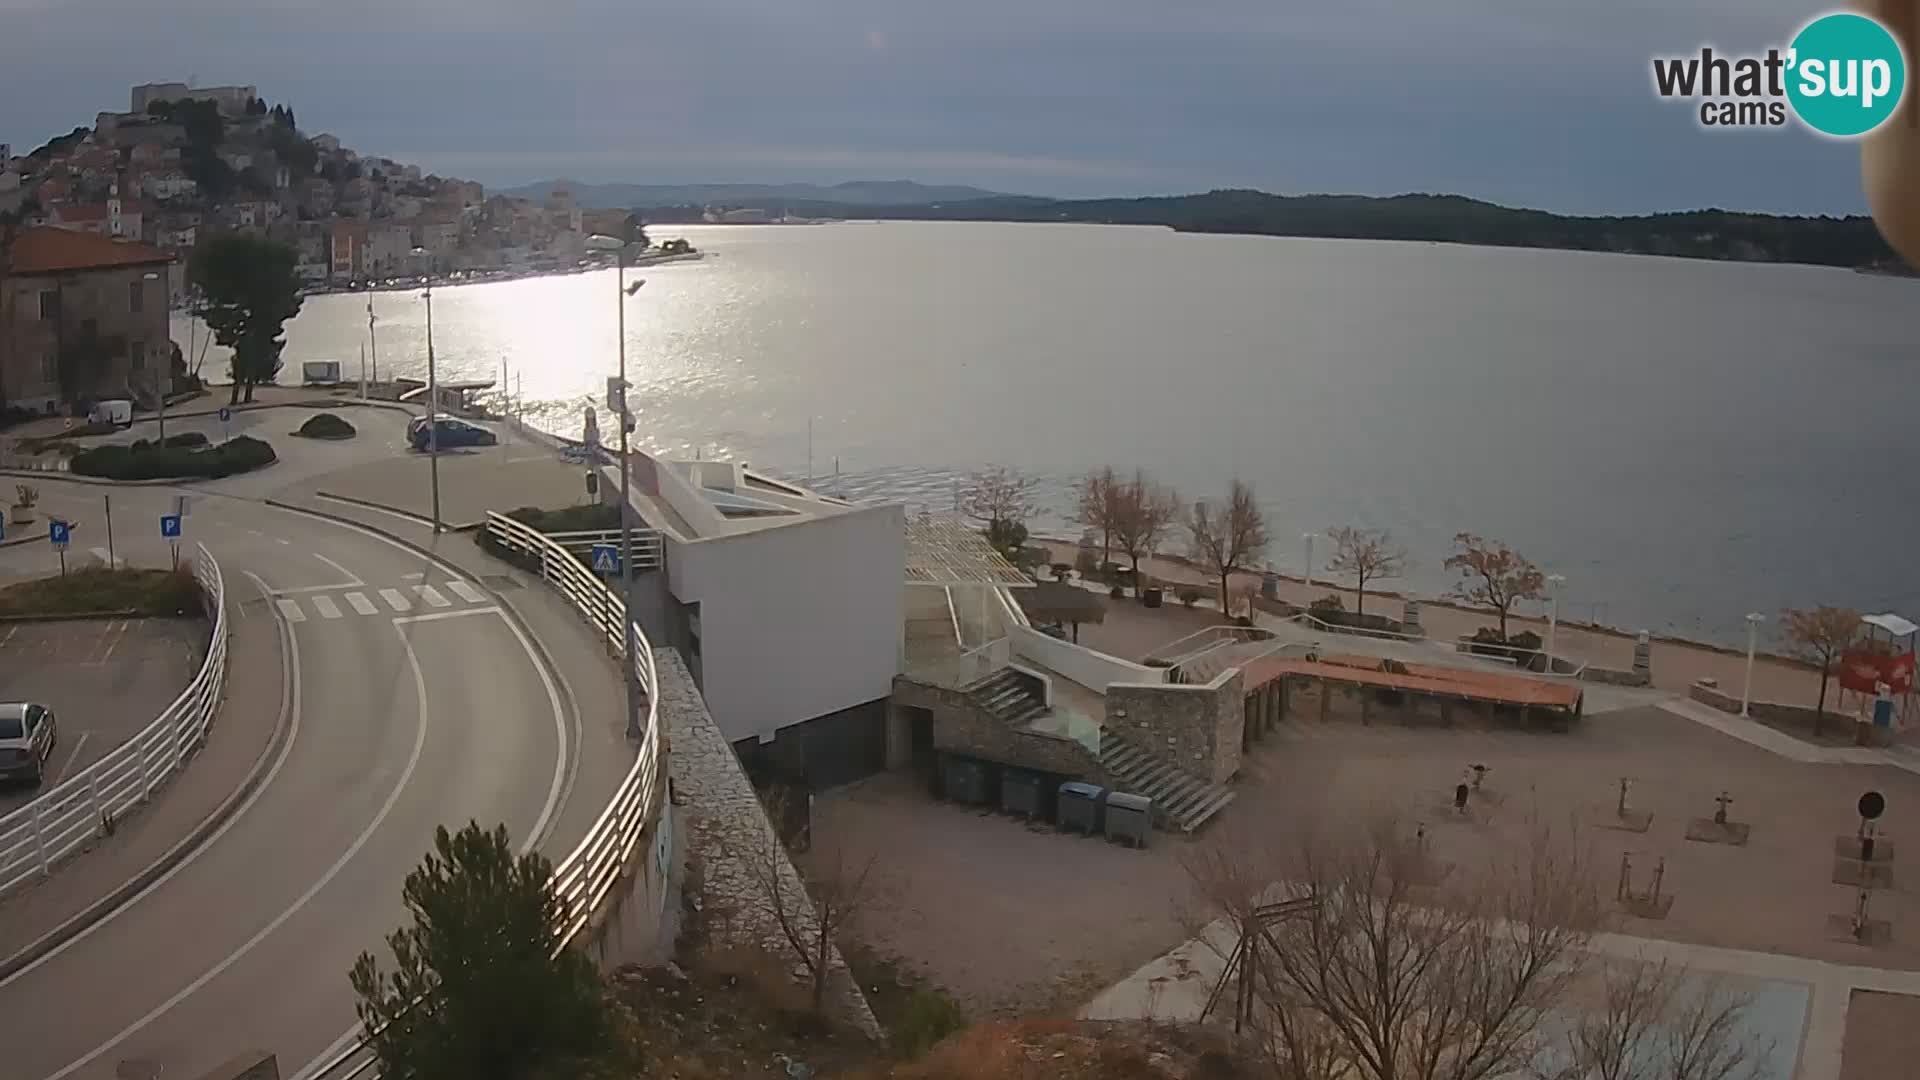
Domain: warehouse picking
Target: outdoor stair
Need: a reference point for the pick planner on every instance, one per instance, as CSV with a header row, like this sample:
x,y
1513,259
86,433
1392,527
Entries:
x,y
1179,797
1205,666
1010,696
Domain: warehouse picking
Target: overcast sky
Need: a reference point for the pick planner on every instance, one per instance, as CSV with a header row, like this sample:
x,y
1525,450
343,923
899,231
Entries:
x,y
1544,103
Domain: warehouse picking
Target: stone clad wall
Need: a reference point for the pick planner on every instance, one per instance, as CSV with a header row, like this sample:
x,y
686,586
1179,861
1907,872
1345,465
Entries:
x,y
1197,728
960,727
726,825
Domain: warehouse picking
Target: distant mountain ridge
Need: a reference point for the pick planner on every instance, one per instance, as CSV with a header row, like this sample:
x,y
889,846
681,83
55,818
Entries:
x,y
851,192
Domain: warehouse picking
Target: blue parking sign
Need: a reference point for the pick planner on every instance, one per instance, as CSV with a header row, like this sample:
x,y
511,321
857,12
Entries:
x,y
226,414
57,533
170,526
606,559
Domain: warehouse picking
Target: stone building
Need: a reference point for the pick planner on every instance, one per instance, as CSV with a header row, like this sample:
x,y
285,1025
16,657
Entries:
x,y
82,316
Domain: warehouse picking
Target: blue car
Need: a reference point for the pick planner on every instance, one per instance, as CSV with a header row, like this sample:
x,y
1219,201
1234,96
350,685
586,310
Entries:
x,y
450,433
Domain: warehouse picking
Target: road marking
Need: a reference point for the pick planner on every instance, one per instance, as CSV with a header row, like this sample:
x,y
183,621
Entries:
x,y
283,540
352,579
289,713
386,808
436,616
466,592
291,610
412,577
361,605
394,600
72,756
432,596
327,608
104,556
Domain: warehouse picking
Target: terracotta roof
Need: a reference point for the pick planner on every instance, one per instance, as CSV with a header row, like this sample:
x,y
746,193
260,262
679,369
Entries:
x,y
1418,678
45,249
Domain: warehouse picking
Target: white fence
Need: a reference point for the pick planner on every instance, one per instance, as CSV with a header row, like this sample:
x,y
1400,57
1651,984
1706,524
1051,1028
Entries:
x,y
87,804
589,874
648,549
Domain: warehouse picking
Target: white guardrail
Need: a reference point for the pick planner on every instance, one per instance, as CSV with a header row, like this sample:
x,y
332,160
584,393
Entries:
x,y
586,878
87,804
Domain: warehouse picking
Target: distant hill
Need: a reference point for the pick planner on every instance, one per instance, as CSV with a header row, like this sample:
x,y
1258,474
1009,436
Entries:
x,y
763,196
1454,219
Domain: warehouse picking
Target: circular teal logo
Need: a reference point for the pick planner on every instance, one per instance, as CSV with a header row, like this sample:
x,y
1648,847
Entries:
x,y
1845,74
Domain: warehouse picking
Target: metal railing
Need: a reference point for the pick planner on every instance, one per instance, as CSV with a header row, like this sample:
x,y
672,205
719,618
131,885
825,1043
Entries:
x,y
91,802
649,552
588,875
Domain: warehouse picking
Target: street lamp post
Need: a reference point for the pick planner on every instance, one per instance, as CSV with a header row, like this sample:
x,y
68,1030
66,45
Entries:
x,y
1309,538
433,413
1554,581
161,379
621,291
1754,619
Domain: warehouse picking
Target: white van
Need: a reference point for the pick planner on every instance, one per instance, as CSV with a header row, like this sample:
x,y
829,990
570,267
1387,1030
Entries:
x,y
119,413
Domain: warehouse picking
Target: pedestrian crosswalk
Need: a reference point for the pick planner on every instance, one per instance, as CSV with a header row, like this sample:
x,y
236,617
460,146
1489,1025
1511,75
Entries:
x,y
380,602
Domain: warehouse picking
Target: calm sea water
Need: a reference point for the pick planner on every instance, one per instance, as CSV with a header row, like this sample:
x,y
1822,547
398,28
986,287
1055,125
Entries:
x,y
1685,441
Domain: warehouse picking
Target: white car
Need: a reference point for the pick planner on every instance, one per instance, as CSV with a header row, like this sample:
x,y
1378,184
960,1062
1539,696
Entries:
x,y
27,736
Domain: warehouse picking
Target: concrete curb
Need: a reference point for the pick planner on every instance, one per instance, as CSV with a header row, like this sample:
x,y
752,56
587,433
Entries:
x,y
93,913
418,519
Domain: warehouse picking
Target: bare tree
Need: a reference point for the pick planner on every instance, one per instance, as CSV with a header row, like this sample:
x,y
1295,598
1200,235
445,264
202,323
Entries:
x,y
1365,555
1493,576
1821,635
1658,1021
1097,502
999,499
1227,537
1143,512
839,885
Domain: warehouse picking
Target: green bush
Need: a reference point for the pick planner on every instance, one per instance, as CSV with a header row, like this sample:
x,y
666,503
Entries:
x,y
928,1017
144,461
1188,595
185,438
326,426
1329,602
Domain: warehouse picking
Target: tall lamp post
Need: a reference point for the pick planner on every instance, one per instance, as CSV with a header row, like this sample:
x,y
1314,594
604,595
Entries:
x,y
163,376
1554,581
1309,538
1754,619
433,412
622,290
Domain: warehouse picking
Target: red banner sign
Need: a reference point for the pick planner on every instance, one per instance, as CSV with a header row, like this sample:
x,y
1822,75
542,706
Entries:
x,y
1865,671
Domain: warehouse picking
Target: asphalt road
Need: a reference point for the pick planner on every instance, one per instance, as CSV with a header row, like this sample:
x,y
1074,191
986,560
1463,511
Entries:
x,y
414,702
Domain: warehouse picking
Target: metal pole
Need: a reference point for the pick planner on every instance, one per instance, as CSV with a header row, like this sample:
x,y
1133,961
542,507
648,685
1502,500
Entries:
x,y
108,500
1554,581
1308,537
373,348
433,416
1753,633
626,505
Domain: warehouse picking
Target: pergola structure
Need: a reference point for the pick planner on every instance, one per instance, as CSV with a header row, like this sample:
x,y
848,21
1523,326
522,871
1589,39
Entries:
x,y
948,554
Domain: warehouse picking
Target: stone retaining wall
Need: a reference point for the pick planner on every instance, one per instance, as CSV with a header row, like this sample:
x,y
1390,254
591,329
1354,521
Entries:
x,y
1614,676
727,826
1199,728
960,727
1708,693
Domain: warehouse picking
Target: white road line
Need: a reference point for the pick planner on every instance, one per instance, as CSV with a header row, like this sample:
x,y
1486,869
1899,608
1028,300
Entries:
x,y
466,592
361,605
432,596
395,600
283,540
102,554
72,756
289,714
412,577
352,579
386,808
291,610
327,608
438,615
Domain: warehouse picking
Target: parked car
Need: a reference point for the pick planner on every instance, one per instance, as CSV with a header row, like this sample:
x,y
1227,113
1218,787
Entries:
x,y
450,433
27,734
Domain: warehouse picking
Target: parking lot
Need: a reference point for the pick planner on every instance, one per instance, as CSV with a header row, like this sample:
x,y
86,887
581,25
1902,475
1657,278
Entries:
x,y
104,679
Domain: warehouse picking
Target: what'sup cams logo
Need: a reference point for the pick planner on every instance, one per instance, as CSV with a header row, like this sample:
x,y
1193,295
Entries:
x,y
1843,76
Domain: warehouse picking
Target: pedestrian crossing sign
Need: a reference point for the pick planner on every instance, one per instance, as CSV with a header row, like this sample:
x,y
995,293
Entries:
x,y
606,559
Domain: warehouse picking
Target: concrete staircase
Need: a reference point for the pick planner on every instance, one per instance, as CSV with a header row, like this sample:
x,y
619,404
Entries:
x,y
1179,797
1010,696
1204,666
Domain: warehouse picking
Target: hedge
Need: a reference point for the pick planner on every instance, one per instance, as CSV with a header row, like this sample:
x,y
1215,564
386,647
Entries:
x,y
325,426
149,462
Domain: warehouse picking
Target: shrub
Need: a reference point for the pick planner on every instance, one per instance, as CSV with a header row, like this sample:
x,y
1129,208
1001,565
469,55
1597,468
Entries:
x,y
928,1017
25,496
1188,595
1061,570
326,426
185,438
1086,562
1117,592
1329,602
144,461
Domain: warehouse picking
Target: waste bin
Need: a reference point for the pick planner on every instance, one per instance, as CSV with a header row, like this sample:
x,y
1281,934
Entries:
x,y
1150,596
1080,806
1020,793
1129,817
964,780
1270,585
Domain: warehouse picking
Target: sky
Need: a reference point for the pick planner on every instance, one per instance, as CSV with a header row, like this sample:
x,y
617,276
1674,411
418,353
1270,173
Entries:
x,y
1541,103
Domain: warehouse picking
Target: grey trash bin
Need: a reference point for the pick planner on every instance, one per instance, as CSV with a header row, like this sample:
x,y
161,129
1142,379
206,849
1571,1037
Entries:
x,y
1080,806
964,780
1129,817
1020,793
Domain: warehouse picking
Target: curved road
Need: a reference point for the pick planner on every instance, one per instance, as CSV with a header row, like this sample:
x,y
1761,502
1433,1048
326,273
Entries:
x,y
411,700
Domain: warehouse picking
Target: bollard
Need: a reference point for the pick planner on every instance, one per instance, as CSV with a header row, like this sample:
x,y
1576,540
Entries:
x,y
1643,656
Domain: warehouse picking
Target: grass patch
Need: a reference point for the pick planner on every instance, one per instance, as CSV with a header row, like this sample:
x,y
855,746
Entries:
x,y
325,426
145,461
914,1013
160,593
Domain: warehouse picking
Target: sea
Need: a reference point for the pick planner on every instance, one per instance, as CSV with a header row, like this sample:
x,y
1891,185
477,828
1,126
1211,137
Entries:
x,y
1683,441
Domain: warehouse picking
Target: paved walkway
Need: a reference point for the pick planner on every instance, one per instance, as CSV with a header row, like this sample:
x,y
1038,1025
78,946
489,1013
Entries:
x,y
1754,733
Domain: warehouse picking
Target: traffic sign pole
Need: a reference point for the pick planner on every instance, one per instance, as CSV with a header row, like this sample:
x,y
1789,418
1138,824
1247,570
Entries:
x,y
108,499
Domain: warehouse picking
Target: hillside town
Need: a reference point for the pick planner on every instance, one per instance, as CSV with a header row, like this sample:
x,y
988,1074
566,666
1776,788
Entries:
x,y
97,227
